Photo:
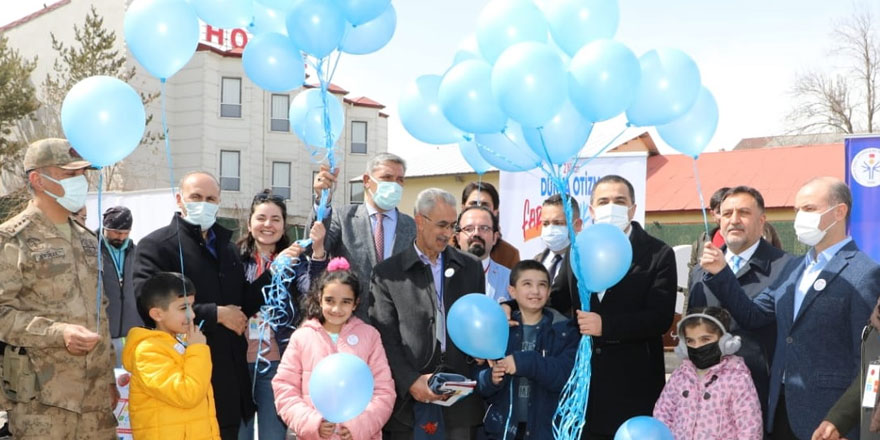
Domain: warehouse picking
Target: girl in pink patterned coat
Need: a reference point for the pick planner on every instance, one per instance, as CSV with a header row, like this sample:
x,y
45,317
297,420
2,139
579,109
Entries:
x,y
331,328
711,396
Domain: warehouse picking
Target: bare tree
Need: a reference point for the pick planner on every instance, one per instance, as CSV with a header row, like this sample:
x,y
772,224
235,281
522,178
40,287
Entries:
x,y
843,102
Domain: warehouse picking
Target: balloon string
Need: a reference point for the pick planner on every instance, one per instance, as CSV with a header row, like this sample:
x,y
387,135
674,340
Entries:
x,y
100,251
702,201
162,94
277,312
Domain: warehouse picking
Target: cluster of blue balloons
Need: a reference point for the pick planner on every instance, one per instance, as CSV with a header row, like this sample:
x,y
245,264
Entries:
x,y
534,100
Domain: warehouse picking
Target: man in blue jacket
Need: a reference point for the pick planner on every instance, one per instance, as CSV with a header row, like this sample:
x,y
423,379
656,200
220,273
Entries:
x,y
541,352
820,305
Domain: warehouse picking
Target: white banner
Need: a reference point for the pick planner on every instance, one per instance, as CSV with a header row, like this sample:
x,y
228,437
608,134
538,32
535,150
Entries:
x,y
523,193
150,209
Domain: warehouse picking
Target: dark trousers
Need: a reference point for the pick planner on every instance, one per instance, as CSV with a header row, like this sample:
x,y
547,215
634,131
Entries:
x,y
457,433
781,427
229,433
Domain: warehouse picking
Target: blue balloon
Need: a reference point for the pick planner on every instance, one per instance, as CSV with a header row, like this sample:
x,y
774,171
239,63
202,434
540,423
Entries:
x,y
273,63
603,79
465,95
307,117
472,156
605,255
267,19
574,23
161,34
421,115
468,49
278,5
226,14
104,119
668,88
690,133
563,136
478,326
341,387
643,428
361,11
316,27
503,23
529,83
370,36
507,150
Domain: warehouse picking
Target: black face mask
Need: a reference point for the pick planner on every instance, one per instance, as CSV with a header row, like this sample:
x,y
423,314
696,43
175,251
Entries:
x,y
705,356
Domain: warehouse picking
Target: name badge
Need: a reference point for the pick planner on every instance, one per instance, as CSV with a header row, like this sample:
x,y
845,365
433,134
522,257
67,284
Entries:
x,y
254,327
352,340
872,382
819,285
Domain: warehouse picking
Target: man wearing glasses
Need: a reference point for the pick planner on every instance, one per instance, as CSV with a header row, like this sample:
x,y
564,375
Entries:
x,y
412,293
477,234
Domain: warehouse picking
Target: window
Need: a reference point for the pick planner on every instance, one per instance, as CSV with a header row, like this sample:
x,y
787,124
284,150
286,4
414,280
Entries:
x,y
279,120
356,193
230,179
358,137
230,98
281,179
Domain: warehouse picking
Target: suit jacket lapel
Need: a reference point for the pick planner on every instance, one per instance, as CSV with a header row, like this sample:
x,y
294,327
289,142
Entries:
x,y
400,230
365,228
834,267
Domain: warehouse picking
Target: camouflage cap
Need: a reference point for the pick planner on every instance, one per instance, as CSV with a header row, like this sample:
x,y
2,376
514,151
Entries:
x,y
53,152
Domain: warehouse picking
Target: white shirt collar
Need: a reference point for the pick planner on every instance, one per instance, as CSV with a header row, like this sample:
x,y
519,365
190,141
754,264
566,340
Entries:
x,y
746,255
391,214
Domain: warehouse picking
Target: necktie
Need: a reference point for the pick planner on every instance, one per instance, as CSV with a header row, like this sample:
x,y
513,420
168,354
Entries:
x,y
379,236
736,263
554,266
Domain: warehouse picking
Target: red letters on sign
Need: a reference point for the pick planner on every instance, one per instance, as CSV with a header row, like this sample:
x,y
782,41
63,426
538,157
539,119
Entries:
x,y
238,38
211,33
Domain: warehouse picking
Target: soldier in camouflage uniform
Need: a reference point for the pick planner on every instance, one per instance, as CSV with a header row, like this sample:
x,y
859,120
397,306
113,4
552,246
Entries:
x,y
58,361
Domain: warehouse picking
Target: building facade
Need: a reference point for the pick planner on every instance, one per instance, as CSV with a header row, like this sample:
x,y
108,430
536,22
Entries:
x,y
218,120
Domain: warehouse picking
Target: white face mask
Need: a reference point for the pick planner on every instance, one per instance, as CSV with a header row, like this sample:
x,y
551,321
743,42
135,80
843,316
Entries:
x,y
806,226
203,214
76,189
387,195
555,237
614,214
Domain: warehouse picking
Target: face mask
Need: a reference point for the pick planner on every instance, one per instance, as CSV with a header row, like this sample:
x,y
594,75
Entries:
x,y
806,226
614,214
555,237
203,214
705,356
387,194
76,189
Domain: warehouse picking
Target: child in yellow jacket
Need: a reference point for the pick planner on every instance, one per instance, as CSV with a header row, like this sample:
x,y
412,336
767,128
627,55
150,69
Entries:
x,y
170,394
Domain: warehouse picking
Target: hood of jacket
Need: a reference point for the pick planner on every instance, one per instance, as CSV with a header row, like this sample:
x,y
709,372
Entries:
x,y
136,336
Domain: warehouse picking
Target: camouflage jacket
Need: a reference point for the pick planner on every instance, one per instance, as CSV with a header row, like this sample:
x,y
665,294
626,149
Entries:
x,y
47,282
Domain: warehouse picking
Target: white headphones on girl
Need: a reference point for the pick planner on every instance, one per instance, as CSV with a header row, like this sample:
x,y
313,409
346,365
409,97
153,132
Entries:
x,y
728,343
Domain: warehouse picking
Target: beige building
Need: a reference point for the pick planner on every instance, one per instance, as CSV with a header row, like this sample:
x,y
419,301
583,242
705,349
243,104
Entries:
x,y
218,120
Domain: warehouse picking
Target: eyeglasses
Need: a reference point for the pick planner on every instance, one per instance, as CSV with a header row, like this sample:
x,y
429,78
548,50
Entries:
x,y
441,225
262,197
470,229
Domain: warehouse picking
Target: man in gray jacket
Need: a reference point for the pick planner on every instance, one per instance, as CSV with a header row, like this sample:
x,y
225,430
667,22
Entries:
x,y
118,255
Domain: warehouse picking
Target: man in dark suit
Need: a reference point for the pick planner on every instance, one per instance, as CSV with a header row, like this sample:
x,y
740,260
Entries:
x,y
356,232
628,320
554,234
756,264
211,261
819,308
412,293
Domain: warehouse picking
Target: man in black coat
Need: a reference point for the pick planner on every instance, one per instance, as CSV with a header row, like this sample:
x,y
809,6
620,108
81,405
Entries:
x,y
212,263
412,293
628,320
118,254
757,264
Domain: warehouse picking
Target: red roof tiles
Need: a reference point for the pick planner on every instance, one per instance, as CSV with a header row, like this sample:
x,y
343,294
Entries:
x,y
776,172
34,15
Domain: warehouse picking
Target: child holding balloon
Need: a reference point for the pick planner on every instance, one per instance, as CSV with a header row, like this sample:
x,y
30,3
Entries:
x,y
331,328
711,394
523,388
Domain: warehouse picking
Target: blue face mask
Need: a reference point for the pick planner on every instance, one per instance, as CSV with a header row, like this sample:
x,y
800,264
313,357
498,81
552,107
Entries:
x,y
76,189
203,214
387,195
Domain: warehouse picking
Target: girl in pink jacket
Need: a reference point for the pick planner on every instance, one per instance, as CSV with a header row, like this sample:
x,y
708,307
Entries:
x,y
711,396
331,328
